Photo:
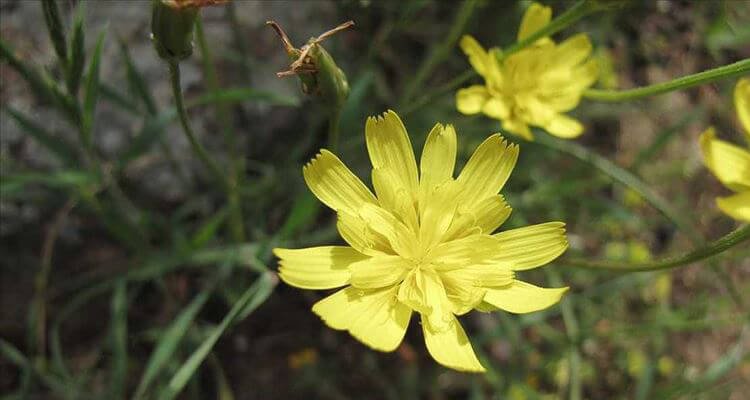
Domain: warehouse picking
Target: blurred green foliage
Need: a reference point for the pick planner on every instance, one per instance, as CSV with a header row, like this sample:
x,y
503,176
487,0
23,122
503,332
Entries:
x,y
112,292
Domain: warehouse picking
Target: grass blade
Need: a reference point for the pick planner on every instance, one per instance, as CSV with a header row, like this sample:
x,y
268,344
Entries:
x,y
253,297
56,30
136,82
56,145
77,53
119,331
91,93
11,185
170,340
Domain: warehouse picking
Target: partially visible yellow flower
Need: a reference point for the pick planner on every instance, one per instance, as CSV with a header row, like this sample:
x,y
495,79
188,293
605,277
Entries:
x,y
423,242
731,163
534,86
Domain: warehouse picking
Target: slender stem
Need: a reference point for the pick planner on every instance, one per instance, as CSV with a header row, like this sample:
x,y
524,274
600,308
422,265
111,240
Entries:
x,y
333,128
440,50
174,74
724,243
573,332
725,72
579,10
237,163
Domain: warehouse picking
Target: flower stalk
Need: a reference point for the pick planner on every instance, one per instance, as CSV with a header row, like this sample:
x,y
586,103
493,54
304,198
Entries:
x,y
724,72
720,245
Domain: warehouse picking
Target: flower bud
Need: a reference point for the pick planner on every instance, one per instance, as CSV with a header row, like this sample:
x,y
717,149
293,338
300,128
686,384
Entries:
x,y
172,23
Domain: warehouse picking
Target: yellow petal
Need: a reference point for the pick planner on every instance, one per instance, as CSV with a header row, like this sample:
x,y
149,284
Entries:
x,y
451,347
423,291
469,250
357,232
478,275
478,56
334,184
531,246
374,317
737,206
382,222
572,51
490,213
438,156
518,128
317,267
393,197
535,18
389,148
497,108
486,171
378,272
471,100
730,163
742,104
521,297
563,126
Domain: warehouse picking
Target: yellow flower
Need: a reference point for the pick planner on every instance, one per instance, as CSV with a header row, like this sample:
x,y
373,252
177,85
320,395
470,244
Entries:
x,y
730,163
423,243
534,86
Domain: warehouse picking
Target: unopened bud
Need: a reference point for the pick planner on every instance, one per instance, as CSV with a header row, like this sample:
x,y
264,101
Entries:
x,y
172,23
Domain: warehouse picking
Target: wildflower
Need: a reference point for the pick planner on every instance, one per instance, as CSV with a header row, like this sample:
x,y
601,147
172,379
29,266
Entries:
x,y
534,86
423,242
731,163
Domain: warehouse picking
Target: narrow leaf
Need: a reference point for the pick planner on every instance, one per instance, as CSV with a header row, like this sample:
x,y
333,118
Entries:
x,y
56,30
77,53
254,296
119,337
170,340
92,93
55,144
16,184
136,82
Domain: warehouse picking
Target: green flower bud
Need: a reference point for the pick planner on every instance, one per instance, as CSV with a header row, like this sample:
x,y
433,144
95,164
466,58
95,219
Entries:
x,y
172,29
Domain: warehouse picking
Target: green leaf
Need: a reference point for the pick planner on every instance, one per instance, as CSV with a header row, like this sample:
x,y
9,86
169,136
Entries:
x,y
152,130
92,93
56,145
77,52
170,340
238,95
253,297
56,30
11,185
136,82
119,337
209,228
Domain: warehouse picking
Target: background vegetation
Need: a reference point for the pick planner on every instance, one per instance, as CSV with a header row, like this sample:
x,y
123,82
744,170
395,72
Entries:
x,y
124,274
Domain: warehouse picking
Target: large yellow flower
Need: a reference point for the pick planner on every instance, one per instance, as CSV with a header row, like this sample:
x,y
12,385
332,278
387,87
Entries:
x,y
730,163
425,243
534,86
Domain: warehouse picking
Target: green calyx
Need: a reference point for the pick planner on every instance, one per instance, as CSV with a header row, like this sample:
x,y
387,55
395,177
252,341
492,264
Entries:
x,y
172,30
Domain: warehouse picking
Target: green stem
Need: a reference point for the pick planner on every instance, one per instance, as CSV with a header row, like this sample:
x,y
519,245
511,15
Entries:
x,y
237,163
724,243
213,168
439,51
573,332
725,72
333,129
579,10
